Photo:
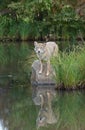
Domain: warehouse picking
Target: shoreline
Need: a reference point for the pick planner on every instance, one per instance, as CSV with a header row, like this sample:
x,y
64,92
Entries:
x,y
82,87
6,39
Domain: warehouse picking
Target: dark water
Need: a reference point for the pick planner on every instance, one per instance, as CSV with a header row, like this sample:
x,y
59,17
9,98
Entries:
x,y
20,103
18,112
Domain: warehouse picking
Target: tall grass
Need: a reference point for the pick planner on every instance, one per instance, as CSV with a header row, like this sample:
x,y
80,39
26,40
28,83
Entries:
x,y
3,26
23,30
70,68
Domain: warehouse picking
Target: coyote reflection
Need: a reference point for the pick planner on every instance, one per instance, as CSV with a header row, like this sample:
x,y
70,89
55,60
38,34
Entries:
x,y
45,115
45,52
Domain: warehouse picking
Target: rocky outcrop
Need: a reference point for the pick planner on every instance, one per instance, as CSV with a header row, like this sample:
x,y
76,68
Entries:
x,y
41,79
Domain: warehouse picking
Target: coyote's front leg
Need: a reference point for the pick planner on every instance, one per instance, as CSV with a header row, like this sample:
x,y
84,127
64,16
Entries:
x,y
41,67
48,68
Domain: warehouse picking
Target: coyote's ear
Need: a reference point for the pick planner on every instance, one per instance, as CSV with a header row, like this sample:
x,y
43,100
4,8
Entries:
x,y
35,43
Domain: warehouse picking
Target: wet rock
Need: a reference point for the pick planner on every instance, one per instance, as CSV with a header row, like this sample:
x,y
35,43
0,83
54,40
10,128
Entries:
x,y
38,90
42,79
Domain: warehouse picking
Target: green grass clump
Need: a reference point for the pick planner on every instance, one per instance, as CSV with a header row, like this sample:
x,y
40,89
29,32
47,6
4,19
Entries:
x,y
70,68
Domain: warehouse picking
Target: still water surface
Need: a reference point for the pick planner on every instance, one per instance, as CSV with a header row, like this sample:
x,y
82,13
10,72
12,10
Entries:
x,y
18,112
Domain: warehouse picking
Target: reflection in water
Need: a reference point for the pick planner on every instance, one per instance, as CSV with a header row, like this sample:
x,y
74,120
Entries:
x,y
72,110
18,111
2,127
43,96
4,109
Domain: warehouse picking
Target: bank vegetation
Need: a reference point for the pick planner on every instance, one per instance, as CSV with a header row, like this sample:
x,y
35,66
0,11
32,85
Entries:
x,y
42,19
70,69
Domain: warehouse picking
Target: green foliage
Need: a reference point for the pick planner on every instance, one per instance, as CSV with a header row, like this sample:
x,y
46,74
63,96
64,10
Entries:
x,y
13,29
3,26
38,18
24,30
69,68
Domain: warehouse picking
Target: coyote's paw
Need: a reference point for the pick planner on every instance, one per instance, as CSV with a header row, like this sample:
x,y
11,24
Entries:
x,y
47,73
40,72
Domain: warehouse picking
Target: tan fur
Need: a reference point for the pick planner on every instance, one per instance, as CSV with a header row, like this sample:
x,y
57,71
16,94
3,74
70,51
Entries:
x,y
46,114
44,52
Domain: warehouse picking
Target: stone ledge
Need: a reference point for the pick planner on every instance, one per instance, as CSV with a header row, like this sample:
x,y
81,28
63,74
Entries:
x,y
41,79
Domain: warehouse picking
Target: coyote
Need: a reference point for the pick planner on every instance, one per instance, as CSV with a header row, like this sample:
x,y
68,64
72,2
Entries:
x,y
44,52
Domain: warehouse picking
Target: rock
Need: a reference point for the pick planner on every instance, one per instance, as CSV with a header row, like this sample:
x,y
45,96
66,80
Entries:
x,y
36,91
41,79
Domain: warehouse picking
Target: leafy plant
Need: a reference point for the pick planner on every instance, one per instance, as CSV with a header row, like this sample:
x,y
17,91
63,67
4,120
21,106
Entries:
x,y
36,19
